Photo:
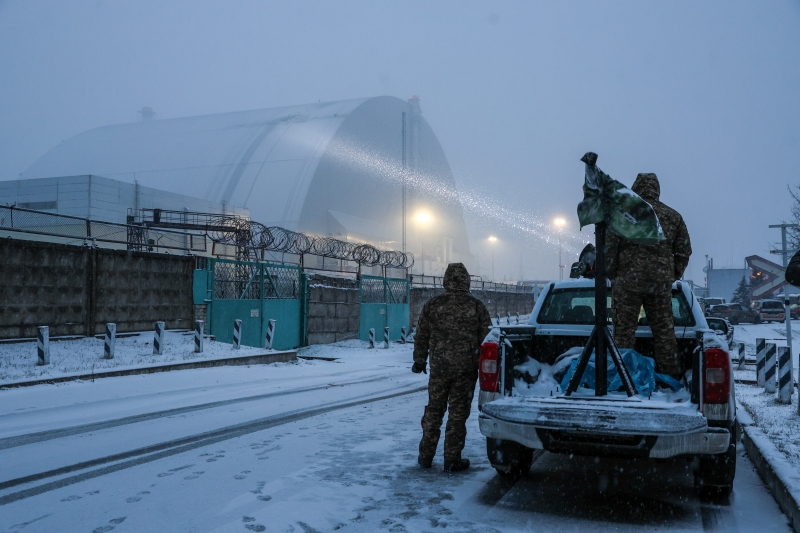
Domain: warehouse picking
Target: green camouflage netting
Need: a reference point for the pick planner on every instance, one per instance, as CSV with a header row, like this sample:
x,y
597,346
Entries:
x,y
628,215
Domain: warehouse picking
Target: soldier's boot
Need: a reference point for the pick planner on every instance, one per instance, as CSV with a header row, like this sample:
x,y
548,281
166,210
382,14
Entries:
x,y
425,462
457,465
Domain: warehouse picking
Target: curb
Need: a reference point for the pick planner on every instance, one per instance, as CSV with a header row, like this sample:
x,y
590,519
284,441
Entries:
x,y
782,478
260,359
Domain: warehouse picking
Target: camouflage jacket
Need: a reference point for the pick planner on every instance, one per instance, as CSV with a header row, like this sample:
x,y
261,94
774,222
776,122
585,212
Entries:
x,y
451,327
650,268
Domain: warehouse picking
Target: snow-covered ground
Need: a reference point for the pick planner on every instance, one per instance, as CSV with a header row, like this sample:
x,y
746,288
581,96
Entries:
x,y
780,422
305,447
83,356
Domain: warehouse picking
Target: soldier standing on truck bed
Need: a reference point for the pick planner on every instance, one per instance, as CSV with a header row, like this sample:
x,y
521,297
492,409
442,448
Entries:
x,y
643,276
451,328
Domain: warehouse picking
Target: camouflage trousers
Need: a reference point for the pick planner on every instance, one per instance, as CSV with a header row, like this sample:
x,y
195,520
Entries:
x,y
452,393
625,306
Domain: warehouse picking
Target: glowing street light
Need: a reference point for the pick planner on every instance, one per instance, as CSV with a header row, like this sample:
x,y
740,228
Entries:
x,y
422,218
492,240
560,223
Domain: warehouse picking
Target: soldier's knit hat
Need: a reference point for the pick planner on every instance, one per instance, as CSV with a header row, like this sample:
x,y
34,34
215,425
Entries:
x,y
456,278
647,186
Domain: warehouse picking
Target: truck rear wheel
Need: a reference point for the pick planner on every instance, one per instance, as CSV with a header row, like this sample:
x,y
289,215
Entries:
x,y
510,459
714,474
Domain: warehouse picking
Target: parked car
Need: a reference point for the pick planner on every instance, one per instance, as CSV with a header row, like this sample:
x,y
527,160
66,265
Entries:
x,y
720,325
772,310
735,313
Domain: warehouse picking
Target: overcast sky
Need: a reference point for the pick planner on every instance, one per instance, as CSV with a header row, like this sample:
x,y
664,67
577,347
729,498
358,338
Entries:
x,y
704,94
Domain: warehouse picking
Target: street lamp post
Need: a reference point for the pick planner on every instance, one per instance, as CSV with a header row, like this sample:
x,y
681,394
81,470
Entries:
x,y
492,240
559,223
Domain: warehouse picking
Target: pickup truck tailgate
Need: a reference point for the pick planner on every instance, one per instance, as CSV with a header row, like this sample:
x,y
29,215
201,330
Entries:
x,y
603,416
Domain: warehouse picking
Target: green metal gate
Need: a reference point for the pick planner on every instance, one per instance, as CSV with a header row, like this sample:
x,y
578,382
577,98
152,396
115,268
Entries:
x,y
383,302
256,293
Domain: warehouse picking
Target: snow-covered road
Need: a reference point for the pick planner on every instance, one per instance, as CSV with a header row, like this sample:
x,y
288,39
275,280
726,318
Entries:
x,y
307,447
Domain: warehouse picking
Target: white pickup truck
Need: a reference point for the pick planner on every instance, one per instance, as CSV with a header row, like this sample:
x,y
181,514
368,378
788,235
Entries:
x,y
523,410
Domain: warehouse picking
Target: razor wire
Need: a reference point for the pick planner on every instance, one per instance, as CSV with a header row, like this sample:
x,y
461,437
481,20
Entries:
x,y
254,237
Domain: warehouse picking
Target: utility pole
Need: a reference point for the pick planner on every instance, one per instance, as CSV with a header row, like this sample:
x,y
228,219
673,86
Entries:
x,y
786,311
403,180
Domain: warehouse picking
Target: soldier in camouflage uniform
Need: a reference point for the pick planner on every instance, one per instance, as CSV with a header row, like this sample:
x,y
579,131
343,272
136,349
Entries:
x,y
643,276
451,328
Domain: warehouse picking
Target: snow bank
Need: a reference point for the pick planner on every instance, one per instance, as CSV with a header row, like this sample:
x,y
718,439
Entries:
x,y
81,356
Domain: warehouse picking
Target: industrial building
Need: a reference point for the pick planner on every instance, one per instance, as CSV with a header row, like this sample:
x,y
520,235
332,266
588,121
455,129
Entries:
x,y
336,169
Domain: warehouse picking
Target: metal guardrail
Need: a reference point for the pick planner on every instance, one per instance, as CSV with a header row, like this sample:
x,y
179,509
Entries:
x,y
92,232
476,284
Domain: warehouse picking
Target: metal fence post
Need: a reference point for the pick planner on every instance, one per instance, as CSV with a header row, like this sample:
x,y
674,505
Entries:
x,y
403,335
237,334
371,337
43,345
158,339
741,356
270,334
198,336
111,341
761,353
386,337
769,369
785,381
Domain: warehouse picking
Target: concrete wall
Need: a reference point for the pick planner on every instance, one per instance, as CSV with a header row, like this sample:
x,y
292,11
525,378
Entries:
x,y
332,309
75,290
496,302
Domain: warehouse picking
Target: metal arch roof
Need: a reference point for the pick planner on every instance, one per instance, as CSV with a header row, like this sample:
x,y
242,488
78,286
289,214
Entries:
x,y
218,157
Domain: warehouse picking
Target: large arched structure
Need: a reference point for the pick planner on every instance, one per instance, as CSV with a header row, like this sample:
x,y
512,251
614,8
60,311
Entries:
x,y
332,169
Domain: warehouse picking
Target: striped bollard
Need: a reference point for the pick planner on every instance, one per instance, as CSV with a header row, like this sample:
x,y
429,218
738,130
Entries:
x,y
498,318
270,334
111,341
43,345
517,317
158,339
508,318
761,353
769,369
371,337
386,338
237,334
785,381
741,356
403,335
198,336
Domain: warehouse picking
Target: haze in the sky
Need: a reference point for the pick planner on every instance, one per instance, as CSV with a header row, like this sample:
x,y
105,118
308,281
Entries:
x,y
705,94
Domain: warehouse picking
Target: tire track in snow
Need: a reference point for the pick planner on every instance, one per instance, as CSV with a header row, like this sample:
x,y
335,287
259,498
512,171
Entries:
x,y
40,436
166,449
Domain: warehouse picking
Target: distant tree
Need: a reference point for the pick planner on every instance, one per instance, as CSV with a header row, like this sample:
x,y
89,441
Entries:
x,y
742,293
793,234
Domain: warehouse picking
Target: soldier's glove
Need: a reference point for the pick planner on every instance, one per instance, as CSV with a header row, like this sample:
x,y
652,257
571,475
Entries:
x,y
418,368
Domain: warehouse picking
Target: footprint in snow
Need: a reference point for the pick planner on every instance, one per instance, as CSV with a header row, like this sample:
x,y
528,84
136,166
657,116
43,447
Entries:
x,y
195,475
138,497
114,521
71,498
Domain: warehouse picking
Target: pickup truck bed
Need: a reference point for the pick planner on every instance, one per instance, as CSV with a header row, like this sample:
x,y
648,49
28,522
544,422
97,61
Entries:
x,y
700,425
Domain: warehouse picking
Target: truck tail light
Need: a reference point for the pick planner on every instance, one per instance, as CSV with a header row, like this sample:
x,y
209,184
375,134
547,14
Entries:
x,y
717,370
489,368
